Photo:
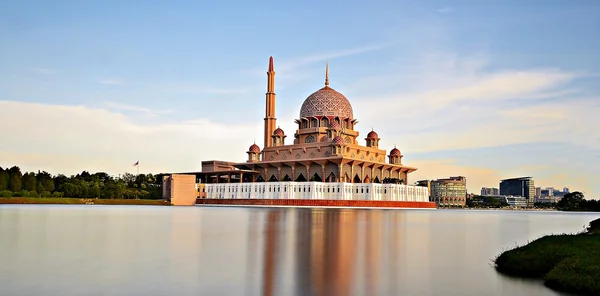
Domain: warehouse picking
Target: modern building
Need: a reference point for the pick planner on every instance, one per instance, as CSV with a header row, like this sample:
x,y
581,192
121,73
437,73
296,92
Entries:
x,y
548,192
325,148
516,201
538,192
485,191
566,190
522,186
449,192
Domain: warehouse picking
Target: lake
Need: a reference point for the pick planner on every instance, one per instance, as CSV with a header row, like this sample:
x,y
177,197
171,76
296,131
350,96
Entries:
x,y
155,250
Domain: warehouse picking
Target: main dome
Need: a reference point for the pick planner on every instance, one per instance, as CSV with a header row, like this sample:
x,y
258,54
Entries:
x,y
326,102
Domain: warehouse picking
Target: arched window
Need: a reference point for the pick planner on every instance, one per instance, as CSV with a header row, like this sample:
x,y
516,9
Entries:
x,y
314,123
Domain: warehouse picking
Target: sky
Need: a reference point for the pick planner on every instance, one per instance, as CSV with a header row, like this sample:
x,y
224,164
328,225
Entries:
x,y
483,89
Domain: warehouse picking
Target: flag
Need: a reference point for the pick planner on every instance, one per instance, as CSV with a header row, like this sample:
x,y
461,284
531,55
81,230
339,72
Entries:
x,y
136,163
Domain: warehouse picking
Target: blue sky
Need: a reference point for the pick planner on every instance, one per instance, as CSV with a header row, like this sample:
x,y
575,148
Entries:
x,y
486,89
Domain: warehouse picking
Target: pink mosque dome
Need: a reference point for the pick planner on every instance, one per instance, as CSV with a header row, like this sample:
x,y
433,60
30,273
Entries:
x,y
395,152
278,132
254,148
338,140
372,135
326,102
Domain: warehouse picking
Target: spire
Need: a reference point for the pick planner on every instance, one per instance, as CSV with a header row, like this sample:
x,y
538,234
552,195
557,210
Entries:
x,y
271,64
327,74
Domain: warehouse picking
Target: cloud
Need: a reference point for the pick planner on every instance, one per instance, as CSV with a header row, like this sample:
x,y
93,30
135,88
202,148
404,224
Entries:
x,y
69,139
462,103
196,88
289,64
43,71
120,106
110,82
445,10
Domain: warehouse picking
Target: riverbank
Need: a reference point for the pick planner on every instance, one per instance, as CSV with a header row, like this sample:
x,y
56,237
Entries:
x,y
82,201
566,262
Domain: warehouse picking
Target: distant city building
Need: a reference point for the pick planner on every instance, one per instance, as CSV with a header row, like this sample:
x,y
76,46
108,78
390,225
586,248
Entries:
x,y
522,186
547,199
546,193
538,192
425,183
566,190
516,201
449,192
485,191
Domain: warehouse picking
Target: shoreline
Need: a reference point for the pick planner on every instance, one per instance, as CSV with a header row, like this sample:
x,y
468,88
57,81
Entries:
x,y
80,201
565,262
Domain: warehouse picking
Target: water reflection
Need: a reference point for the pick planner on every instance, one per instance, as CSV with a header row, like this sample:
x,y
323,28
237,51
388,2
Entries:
x,y
379,252
112,250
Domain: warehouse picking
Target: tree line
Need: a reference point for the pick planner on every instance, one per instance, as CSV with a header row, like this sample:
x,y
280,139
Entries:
x,y
575,201
14,183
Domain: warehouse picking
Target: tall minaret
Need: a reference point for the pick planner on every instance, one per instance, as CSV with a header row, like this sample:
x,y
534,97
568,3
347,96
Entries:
x,y
270,120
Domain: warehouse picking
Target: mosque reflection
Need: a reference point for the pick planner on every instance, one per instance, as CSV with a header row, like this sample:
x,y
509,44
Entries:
x,y
332,251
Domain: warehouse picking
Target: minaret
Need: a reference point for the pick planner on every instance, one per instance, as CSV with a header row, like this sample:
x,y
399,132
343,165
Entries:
x,y
270,120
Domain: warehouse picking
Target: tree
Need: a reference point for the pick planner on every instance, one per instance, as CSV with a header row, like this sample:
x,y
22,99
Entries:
x,y
15,179
29,182
571,201
47,181
4,179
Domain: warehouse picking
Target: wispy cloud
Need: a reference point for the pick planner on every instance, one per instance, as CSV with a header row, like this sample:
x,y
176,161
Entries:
x,y
445,10
110,82
192,89
161,147
43,71
119,106
292,63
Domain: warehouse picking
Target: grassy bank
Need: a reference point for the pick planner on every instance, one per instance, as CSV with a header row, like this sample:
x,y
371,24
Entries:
x,y
81,201
566,262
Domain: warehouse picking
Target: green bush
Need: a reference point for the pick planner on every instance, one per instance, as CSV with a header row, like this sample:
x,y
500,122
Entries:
x,y
22,193
579,274
565,262
57,194
6,193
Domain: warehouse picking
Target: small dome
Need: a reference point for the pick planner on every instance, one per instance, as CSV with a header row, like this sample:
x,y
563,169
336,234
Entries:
x,y
338,140
372,135
395,152
335,125
278,132
254,149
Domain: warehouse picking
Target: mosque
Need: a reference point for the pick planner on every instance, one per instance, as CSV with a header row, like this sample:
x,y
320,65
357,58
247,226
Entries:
x,y
324,160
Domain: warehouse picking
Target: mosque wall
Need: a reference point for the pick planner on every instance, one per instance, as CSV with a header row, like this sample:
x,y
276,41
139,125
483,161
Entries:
x,y
318,191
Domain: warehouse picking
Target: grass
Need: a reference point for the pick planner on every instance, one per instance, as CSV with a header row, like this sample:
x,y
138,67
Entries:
x,y
81,201
567,262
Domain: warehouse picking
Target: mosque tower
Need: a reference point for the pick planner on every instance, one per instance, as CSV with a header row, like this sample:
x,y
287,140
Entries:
x,y
270,120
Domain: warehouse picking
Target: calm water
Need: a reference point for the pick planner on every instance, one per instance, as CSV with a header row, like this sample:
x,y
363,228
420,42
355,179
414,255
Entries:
x,y
130,250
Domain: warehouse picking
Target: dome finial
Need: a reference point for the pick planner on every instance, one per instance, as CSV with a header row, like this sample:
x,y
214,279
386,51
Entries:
x,y
327,74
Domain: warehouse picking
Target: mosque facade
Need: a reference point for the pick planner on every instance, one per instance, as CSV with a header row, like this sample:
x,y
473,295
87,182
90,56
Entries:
x,y
322,164
325,146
